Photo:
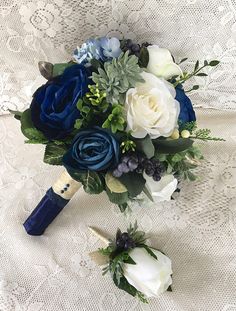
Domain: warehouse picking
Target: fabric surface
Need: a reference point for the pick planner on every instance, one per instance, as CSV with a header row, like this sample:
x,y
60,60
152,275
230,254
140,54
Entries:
x,y
50,30
54,272
197,230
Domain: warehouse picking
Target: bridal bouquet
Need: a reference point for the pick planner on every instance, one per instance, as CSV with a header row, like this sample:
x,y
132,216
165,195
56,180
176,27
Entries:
x,y
117,117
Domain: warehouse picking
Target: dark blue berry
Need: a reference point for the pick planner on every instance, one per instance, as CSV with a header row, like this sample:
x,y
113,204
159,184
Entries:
x,y
135,48
129,43
150,171
156,177
123,167
116,173
132,164
125,236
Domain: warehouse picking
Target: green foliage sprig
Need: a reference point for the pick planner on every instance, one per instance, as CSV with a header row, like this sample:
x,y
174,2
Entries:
x,y
205,134
182,163
118,76
196,72
115,121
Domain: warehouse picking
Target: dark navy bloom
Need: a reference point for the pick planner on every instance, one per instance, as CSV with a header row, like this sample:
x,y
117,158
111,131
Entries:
x,y
53,109
187,113
94,150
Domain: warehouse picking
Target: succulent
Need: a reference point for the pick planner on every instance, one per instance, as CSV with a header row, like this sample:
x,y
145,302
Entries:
x,y
118,76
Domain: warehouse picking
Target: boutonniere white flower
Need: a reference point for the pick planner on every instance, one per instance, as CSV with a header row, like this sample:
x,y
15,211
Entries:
x,y
163,189
161,63
136,268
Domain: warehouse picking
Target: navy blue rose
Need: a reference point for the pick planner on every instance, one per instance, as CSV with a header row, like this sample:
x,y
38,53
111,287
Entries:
x,y
94,150
187,113
53,109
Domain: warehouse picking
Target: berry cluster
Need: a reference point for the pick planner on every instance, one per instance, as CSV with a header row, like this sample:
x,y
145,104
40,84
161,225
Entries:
x,y
139,163
152,167
129,163
134,48
124,241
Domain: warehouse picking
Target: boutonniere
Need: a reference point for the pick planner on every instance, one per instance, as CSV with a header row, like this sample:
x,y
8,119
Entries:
x,y
135,267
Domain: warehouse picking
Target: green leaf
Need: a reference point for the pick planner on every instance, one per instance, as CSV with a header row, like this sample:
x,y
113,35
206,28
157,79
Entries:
x,y
172,146
205,63
58,69
54,153
148,194
78,123
196,65
114,184
169,289
123,207
130,261
214,63
92,182
201,74
95,63
124,285
28,128
134,182
117,198
149,250
143,57
146,146
183,60
177,157
17,114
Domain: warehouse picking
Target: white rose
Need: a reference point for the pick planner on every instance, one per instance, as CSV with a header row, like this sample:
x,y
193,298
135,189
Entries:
x,y
152,108
161,63
161,190
150,276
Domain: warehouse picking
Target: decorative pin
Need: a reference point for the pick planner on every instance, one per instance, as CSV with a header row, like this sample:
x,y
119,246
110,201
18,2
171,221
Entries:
x,y
46,69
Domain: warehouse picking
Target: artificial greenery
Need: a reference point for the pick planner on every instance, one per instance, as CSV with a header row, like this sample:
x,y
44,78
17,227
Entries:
x,y
128,145
182,163
118,76
196,72
205,134
115,120
118,255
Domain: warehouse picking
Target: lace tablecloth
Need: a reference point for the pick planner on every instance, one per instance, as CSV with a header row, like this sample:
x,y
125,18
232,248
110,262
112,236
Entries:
x,y
54,272
197,230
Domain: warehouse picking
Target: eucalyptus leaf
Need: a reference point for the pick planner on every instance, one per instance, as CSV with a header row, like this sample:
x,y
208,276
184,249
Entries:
x,y
114,184
172,146
58,69
146,146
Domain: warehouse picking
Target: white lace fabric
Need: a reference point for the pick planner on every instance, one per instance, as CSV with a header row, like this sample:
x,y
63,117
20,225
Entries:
x,y
197,230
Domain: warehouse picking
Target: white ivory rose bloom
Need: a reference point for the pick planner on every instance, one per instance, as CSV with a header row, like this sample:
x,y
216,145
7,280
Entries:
x,y
161,63
163,189
150,276
151,108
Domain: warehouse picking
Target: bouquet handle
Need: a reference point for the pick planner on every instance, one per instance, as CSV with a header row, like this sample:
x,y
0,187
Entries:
x,y
53,202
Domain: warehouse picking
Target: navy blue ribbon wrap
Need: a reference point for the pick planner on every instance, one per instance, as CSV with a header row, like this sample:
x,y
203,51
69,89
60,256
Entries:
x,y
44,213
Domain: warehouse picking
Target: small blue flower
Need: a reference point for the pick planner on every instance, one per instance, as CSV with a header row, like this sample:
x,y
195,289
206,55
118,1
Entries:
x,y
110,47
89,50
101,49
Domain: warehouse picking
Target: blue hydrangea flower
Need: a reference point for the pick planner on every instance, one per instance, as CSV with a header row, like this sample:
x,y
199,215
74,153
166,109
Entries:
x,y
89,50
101,49
110,47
